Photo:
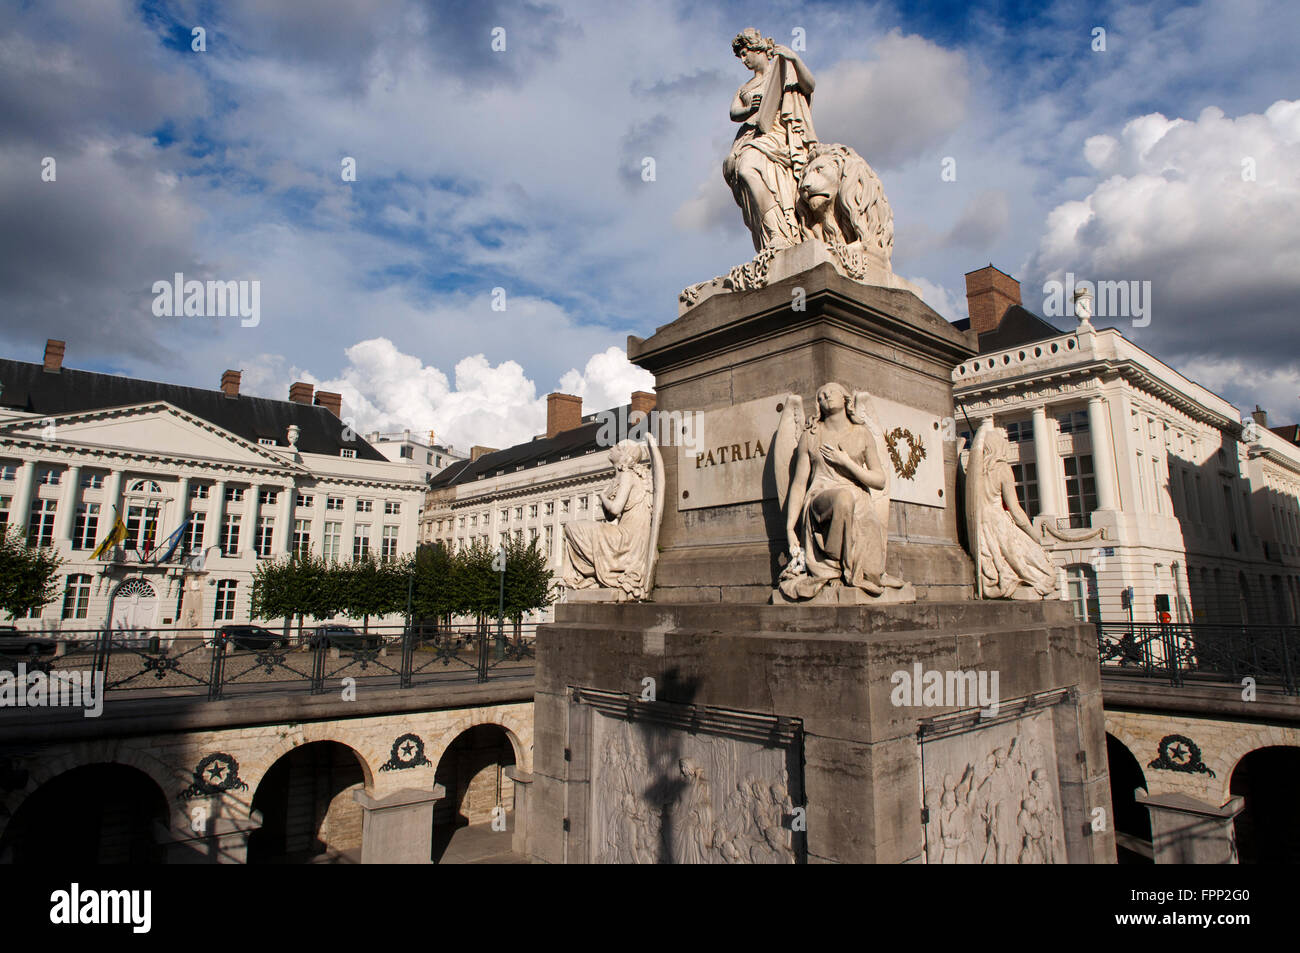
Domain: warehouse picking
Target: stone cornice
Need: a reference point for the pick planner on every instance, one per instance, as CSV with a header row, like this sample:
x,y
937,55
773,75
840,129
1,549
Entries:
x,y
545,486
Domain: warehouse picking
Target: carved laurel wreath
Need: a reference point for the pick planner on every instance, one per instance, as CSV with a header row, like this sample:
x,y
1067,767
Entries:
x,y
915,452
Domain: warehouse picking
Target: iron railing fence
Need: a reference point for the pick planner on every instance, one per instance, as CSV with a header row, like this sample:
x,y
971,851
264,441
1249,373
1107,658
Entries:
x,y
1269,654
231,661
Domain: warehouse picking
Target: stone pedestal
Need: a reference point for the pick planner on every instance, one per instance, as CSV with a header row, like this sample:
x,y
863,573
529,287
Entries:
x,y
1187,831
397,828
224,841
522,782
712,726
727,364
775,735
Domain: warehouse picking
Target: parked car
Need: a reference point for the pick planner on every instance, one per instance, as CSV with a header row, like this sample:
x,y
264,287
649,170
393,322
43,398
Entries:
x,y
13,642
250,637
345,637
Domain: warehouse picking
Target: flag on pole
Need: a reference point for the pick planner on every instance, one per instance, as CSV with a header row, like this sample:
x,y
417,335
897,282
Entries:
x,y
115,536
169,545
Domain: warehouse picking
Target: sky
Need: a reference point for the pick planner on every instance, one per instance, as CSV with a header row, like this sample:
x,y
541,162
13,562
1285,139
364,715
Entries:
x,y
499,239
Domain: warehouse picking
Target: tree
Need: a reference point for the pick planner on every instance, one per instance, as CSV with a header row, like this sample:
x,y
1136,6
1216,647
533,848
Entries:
x,y
371,588
27,573
528,580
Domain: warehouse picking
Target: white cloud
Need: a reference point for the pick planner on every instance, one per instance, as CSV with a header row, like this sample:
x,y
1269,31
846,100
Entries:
x,y
1181,208
607,381
494,405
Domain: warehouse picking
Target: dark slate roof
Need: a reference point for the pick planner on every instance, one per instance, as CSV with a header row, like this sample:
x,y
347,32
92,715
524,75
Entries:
x,y
1288,432
1018,326
570,443
30,388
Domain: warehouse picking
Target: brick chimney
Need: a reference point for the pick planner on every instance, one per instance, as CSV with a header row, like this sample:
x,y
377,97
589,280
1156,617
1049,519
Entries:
x,y
476,452
1260,416
300,392
642,403
330,401
563,412
989,292
54,355
230,383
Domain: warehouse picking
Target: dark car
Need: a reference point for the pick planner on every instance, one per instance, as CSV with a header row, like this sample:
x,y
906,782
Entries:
x,y
250,637
13,642
345,637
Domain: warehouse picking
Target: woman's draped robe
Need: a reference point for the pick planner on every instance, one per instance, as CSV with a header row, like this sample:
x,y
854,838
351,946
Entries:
x,y
781,132
1009,557
612,554
838,516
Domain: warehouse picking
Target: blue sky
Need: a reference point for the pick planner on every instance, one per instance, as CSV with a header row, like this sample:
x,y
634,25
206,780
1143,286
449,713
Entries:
x,y
520,169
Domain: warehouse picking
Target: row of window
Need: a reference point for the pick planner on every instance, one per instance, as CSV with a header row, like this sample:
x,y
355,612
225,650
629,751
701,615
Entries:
x,y
53,476
142,531
506,514
1022,431
1080,489
76,599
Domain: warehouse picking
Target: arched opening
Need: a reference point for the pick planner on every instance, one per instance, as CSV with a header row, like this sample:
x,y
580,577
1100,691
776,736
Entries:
x,y
94,814
1268,829
308,812
1131,820
472,770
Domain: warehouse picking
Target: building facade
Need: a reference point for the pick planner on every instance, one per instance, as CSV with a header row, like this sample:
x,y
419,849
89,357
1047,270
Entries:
x,y
1197,508
531,491
244,478
427,456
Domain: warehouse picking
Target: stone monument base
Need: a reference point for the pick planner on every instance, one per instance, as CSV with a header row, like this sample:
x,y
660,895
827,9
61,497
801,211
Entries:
x,y
941,732
849,596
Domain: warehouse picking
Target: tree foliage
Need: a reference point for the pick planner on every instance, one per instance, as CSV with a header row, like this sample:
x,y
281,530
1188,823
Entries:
x,y
27,573
438,584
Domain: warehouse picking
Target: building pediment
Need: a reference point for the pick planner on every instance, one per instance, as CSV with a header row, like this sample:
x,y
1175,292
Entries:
x,y
153,429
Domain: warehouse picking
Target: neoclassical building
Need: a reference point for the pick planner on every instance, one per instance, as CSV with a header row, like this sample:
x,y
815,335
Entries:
x,y
530,491
249,478
1198,508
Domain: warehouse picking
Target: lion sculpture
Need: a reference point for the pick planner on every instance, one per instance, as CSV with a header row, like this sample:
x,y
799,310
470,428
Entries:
x,y
842,203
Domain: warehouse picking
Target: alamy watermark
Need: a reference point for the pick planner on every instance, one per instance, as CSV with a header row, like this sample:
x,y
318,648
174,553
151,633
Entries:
x,y
947,689
53,690
210,299
1114,299
675,428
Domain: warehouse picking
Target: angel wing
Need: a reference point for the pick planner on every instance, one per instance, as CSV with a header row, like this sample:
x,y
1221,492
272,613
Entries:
x,y
656,512
975,478
866,409
784,443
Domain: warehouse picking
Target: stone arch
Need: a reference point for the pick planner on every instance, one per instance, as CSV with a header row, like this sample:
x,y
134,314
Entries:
x,y
86,754
1129,820
305,799
258,766
105,824
1267,829
508,722
1244,740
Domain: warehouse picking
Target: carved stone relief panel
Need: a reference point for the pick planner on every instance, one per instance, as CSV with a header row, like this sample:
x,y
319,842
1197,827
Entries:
x,y
664,793
992,794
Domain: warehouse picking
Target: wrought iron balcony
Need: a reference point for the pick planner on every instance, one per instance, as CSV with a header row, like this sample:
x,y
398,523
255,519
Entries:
x,y
1270,654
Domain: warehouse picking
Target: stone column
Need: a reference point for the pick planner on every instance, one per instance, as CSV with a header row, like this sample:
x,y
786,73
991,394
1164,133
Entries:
x,y
224,842
1187,831
1103,461
252,509
284,518
398,828
216,514
1047,463
522,781
112,499
349,528
63,523
182,508
20,507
